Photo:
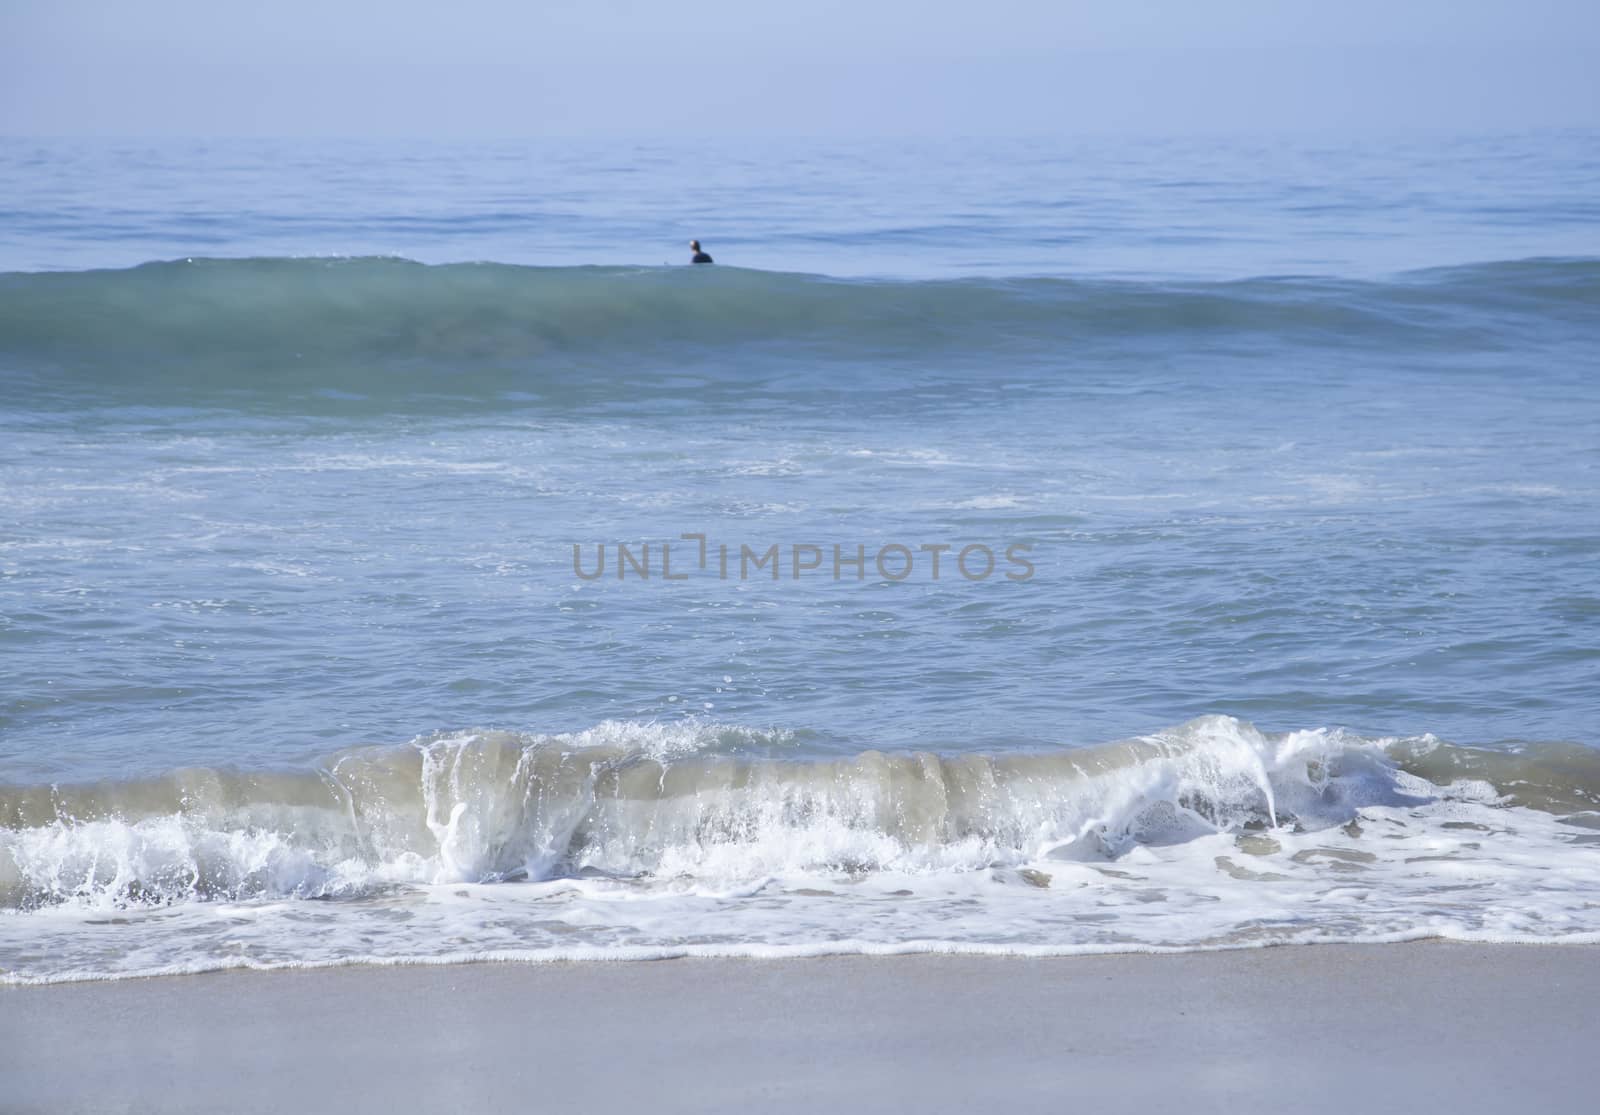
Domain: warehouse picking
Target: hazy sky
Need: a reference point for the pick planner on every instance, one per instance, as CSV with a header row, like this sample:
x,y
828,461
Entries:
x,y
820,67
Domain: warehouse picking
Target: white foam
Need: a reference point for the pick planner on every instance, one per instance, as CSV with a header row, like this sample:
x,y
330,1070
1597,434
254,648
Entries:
x,y
1210,836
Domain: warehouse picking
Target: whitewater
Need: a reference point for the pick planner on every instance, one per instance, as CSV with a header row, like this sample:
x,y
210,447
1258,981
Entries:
x,y
621,843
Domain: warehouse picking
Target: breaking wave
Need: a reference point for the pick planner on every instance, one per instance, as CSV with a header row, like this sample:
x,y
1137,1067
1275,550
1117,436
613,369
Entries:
x,y
635,842
642,802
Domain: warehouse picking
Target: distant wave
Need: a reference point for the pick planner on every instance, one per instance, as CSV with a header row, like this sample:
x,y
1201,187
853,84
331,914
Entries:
x,y
376,326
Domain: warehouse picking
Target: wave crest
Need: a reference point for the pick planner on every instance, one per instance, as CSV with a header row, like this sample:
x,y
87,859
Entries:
x,y
386,328
705,803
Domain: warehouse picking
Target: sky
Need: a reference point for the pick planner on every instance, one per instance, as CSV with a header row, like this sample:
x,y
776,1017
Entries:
x,y
722,68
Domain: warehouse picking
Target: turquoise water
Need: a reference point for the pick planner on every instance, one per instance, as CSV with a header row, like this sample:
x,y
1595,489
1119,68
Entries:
x,y
1305,436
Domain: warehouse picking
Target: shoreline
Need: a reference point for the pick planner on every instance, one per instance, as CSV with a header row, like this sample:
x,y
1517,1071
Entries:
x,y
1421,1025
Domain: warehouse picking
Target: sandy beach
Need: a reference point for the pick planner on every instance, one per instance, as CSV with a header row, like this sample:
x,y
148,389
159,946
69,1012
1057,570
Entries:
x,y
1331,1028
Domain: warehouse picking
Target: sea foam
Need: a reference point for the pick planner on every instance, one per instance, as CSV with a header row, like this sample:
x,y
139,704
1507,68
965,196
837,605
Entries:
x,y
634,841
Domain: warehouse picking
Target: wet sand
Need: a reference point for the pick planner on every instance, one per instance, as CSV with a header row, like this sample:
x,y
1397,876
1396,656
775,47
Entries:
x,y
1329,1028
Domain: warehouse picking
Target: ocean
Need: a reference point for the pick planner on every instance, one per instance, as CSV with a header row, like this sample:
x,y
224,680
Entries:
x,y
1020,547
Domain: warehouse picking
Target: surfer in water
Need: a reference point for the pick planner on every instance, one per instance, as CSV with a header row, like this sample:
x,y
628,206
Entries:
x,y
700,255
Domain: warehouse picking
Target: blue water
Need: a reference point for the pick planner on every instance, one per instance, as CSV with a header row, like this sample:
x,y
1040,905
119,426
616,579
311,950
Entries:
x,y
1203,207
1301,433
